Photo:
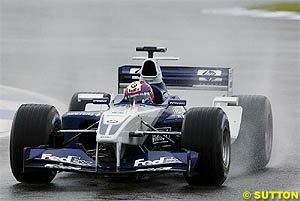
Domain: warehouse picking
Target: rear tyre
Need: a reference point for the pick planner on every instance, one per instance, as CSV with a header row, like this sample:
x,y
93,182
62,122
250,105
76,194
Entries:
x,y
206,131
253,146
75,105
33,125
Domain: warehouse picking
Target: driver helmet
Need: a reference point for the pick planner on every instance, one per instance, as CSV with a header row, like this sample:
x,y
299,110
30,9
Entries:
x,y
140,92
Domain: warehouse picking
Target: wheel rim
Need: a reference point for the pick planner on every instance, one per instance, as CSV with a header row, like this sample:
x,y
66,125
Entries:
x,y
226,148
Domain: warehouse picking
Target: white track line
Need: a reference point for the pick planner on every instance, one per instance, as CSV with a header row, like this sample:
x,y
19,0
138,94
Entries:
x,y
253,13
10,100
5,126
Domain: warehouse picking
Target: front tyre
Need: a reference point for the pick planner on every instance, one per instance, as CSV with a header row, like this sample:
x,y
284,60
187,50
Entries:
x,y
206,131
33,125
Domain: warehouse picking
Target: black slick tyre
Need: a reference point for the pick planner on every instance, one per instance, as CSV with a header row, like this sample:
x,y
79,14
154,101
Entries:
x,y
33,125
253,146
206,131
75,105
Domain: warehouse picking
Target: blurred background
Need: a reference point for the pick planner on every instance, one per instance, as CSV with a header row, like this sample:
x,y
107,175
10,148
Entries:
x,y
58,47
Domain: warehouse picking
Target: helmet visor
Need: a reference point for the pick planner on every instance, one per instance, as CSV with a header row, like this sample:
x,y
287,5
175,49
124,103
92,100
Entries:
x,y
140,97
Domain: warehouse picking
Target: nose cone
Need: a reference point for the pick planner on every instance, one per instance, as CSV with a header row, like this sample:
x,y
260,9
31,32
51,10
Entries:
x,y
113,119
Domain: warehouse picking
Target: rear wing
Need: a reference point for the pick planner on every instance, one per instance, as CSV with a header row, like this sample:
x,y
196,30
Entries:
x,y
183,78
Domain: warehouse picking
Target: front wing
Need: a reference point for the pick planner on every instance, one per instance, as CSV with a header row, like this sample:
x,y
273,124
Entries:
x,y
76,160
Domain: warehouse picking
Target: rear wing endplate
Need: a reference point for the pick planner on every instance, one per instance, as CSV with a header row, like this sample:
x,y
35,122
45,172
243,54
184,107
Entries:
x,y
183,78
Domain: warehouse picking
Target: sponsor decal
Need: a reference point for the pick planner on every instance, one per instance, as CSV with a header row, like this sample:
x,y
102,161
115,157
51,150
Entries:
x,y
139,94
177,102
154,169
56,166
209,72
84,114
178,110
134,87
134,70
112,121
69,159
210,75
164,129
157,139
118,112
101,100
104,136
210,79
135,77
160,161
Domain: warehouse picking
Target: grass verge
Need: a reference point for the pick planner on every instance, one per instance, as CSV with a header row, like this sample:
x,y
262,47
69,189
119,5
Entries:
x,y
286,6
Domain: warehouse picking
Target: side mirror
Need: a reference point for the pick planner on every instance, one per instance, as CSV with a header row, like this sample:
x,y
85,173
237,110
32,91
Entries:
x,y
176,102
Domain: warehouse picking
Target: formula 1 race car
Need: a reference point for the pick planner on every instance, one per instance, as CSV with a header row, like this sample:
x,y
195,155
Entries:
x,y
134,136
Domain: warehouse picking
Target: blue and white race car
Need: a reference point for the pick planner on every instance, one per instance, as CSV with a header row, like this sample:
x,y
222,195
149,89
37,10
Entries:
x,y
145,129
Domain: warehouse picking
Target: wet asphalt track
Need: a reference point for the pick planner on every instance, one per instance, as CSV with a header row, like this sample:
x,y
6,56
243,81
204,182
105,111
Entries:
x,y
58,47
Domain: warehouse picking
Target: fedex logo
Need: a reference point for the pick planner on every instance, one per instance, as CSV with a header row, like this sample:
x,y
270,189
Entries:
x,y
160,161
69,159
